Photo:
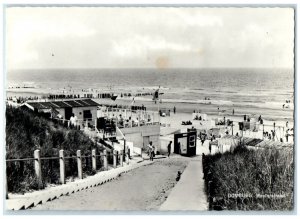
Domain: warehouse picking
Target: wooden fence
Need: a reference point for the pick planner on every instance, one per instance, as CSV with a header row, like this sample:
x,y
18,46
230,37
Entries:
x,y
117,160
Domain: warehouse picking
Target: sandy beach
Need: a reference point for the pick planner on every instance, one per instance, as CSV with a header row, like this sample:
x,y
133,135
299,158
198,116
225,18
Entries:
x,y
271,114
142,189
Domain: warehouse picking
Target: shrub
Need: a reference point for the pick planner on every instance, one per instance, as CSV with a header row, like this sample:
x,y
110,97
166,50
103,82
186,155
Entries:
x,y
236,181
27,131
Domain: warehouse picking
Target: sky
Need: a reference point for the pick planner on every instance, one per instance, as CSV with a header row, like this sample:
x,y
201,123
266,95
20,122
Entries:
x,y
149,37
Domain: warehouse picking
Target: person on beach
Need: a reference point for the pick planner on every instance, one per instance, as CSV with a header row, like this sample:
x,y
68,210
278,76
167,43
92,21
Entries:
x,y
273,135
202,139
287,124
174,110
233,112
169,148
287,135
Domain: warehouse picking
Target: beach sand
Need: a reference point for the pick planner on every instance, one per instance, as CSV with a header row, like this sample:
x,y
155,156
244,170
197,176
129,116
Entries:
x,y
270,114
184,112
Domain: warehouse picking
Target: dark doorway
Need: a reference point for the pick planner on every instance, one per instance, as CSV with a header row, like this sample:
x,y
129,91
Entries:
x,y
68,113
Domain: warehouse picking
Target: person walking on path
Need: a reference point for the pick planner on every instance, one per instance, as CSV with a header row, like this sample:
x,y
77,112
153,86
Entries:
x,y
153,152
169,148
150,146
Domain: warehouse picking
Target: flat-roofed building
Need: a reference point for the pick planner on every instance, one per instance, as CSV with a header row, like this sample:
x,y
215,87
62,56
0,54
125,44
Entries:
x,y
84,109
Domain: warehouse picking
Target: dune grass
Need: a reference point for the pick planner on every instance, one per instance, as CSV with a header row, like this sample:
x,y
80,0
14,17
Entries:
x,y
250,179
27,131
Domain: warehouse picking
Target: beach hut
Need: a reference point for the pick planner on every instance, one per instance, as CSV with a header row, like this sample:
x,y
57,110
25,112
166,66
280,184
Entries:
x,y
229,143
84,109
185,143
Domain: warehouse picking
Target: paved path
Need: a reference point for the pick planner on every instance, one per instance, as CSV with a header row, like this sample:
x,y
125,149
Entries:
x,y
188,194
31,199
144,188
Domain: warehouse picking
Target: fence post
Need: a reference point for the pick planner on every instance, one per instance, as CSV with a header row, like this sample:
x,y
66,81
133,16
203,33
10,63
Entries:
x,y
105,159
38,167
115,158
62,169
79,164
121,158
94,160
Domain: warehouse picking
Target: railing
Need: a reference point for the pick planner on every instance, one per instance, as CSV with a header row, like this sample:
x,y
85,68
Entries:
x,y
117,159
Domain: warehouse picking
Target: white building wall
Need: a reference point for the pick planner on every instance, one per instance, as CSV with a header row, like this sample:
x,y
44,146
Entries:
x,y
61,112
164,141
137,134
78,111
136,138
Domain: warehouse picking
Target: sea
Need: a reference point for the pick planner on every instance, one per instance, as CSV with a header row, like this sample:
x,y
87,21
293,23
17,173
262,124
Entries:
x,y
240,87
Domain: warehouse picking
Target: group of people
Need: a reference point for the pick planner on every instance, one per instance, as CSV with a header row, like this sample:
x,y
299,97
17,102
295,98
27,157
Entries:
x,y
22,99
186,123
198,118
260,120
270,136
151,150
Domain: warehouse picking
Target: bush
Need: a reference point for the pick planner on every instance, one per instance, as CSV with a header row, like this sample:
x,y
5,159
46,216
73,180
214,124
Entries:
x,y
27,131
237,181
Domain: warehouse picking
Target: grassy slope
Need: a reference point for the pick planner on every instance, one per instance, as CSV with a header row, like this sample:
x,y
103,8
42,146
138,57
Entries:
x,y
26,132
251,172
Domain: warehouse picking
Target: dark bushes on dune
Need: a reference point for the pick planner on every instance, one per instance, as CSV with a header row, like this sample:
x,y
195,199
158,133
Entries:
x,y
250,179
27,131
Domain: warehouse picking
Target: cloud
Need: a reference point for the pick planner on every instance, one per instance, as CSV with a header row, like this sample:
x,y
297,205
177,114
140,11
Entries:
x,y
145,37
138,45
